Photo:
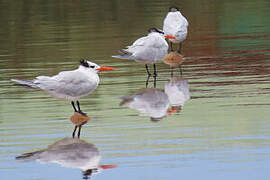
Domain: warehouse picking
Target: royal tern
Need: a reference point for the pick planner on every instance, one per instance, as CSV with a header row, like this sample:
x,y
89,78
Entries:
x,y
71,153
69,85
174,60
175,24
148,49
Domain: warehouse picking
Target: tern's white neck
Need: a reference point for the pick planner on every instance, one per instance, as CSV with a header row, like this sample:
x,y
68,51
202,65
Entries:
x,y
156,34
91,74
87,69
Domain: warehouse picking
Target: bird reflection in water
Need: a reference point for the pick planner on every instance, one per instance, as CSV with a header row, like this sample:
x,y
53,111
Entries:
x,y
150,102
155,103
177,90
71,153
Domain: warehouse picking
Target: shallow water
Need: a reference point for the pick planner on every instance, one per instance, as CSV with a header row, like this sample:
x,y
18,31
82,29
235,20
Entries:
x,y
221,132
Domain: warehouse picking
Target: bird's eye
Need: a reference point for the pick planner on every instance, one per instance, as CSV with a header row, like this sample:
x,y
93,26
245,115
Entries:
x,y
92,66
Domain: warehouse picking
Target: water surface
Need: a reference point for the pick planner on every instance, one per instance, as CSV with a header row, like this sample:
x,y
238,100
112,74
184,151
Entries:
x,y
221,132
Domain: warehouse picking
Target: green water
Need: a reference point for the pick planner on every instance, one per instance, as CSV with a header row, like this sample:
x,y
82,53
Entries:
x,y
222,132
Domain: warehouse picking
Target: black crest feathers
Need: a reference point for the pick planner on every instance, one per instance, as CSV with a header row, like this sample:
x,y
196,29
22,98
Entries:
x,y
155,30
84,63
173,9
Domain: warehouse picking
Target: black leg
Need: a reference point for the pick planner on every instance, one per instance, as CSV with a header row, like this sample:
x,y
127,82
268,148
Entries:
x,y
155,71
180,69
180,48
171,71
155,82
78,104
79,109
146,67
79,132
171,46
73,134
73,105
147,80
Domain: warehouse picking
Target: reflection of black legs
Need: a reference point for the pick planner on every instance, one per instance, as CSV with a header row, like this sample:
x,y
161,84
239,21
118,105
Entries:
x,y
171,46
147,70
147,80
180,69
73,105
155,82
180,48
79,133
171,71
155,71
73,134
149,74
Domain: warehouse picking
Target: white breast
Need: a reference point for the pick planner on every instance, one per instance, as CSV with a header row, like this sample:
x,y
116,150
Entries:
x,y
177,91
175,24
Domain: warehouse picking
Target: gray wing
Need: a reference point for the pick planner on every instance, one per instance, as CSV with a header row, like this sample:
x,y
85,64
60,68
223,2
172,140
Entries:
x,y
151,48
68,83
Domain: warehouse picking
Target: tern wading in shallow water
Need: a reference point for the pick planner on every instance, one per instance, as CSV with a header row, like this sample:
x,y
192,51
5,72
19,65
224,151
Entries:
x,y
69,85
175,24
148,49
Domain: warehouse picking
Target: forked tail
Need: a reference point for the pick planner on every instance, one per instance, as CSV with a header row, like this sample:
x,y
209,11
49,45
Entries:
x,y
124,54
29,156
26,83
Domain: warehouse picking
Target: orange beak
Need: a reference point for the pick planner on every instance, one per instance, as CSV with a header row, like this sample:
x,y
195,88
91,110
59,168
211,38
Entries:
x,y
111,166
170,37
105,69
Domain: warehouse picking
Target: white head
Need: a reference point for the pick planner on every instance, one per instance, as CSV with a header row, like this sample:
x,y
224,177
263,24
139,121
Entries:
x,y
155,30
93,66
88,64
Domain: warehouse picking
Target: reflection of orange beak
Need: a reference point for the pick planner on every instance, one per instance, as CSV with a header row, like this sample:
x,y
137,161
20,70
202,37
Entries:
x,y
111,166
170,37
105,69
174,110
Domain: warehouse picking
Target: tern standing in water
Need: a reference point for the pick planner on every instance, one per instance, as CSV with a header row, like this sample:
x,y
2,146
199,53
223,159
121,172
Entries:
x,y
69,85
148,49
175,24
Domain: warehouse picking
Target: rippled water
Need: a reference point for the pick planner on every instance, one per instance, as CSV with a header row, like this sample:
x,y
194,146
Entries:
x,y
221,132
